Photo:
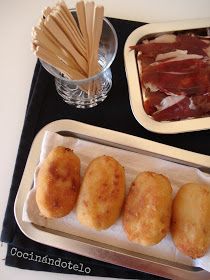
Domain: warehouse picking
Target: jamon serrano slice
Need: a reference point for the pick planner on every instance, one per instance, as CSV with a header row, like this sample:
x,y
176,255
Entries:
x,y
175,76
153,101
188,42
148,51
191,43
178,111
185,77
182,66
195,106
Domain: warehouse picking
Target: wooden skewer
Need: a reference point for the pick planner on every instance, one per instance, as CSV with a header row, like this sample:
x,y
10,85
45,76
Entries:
x,y
47,33
42,34
49,58
94,67
61,50
80,7
97,30
70,25
89,11
44,41
66,70
63,40
72,36
40,39
70,16
66,19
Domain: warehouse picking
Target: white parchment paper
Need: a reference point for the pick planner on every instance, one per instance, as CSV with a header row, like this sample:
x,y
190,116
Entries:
x,y
133,163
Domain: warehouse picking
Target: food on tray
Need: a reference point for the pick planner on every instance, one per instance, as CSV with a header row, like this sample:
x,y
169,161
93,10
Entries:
x,y
175,76
147,213
102,193
190,227
58,183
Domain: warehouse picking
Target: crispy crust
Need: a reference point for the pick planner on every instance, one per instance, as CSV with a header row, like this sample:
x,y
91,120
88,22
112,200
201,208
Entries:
x,y
58,183
147,211
190,226
102,193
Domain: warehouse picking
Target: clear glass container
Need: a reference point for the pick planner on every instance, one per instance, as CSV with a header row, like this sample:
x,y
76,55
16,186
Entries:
x,y
89,92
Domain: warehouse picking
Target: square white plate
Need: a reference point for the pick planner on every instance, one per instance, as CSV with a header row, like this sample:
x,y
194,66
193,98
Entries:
x,y
134,86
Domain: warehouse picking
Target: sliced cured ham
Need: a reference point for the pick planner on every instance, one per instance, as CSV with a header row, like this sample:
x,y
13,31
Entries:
x,y
175,76
186,77
176,56
188,42
177,111
196,106
193,44
153,101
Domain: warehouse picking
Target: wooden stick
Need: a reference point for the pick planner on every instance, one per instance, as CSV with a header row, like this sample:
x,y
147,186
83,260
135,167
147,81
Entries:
x,y
70,25
80,7
49,58
67,71
72,36
70,16
52,26
52,41
41,39
94,67
51,36
97,30
42,27
89,12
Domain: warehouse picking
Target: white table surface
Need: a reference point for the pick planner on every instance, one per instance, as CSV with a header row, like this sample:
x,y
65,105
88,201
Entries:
x,y
16,70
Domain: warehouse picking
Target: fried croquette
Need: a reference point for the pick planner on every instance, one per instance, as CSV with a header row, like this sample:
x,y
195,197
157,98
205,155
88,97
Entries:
x,y
58,183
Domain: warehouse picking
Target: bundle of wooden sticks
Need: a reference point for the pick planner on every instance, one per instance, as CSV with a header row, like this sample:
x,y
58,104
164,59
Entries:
x,y
70,45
